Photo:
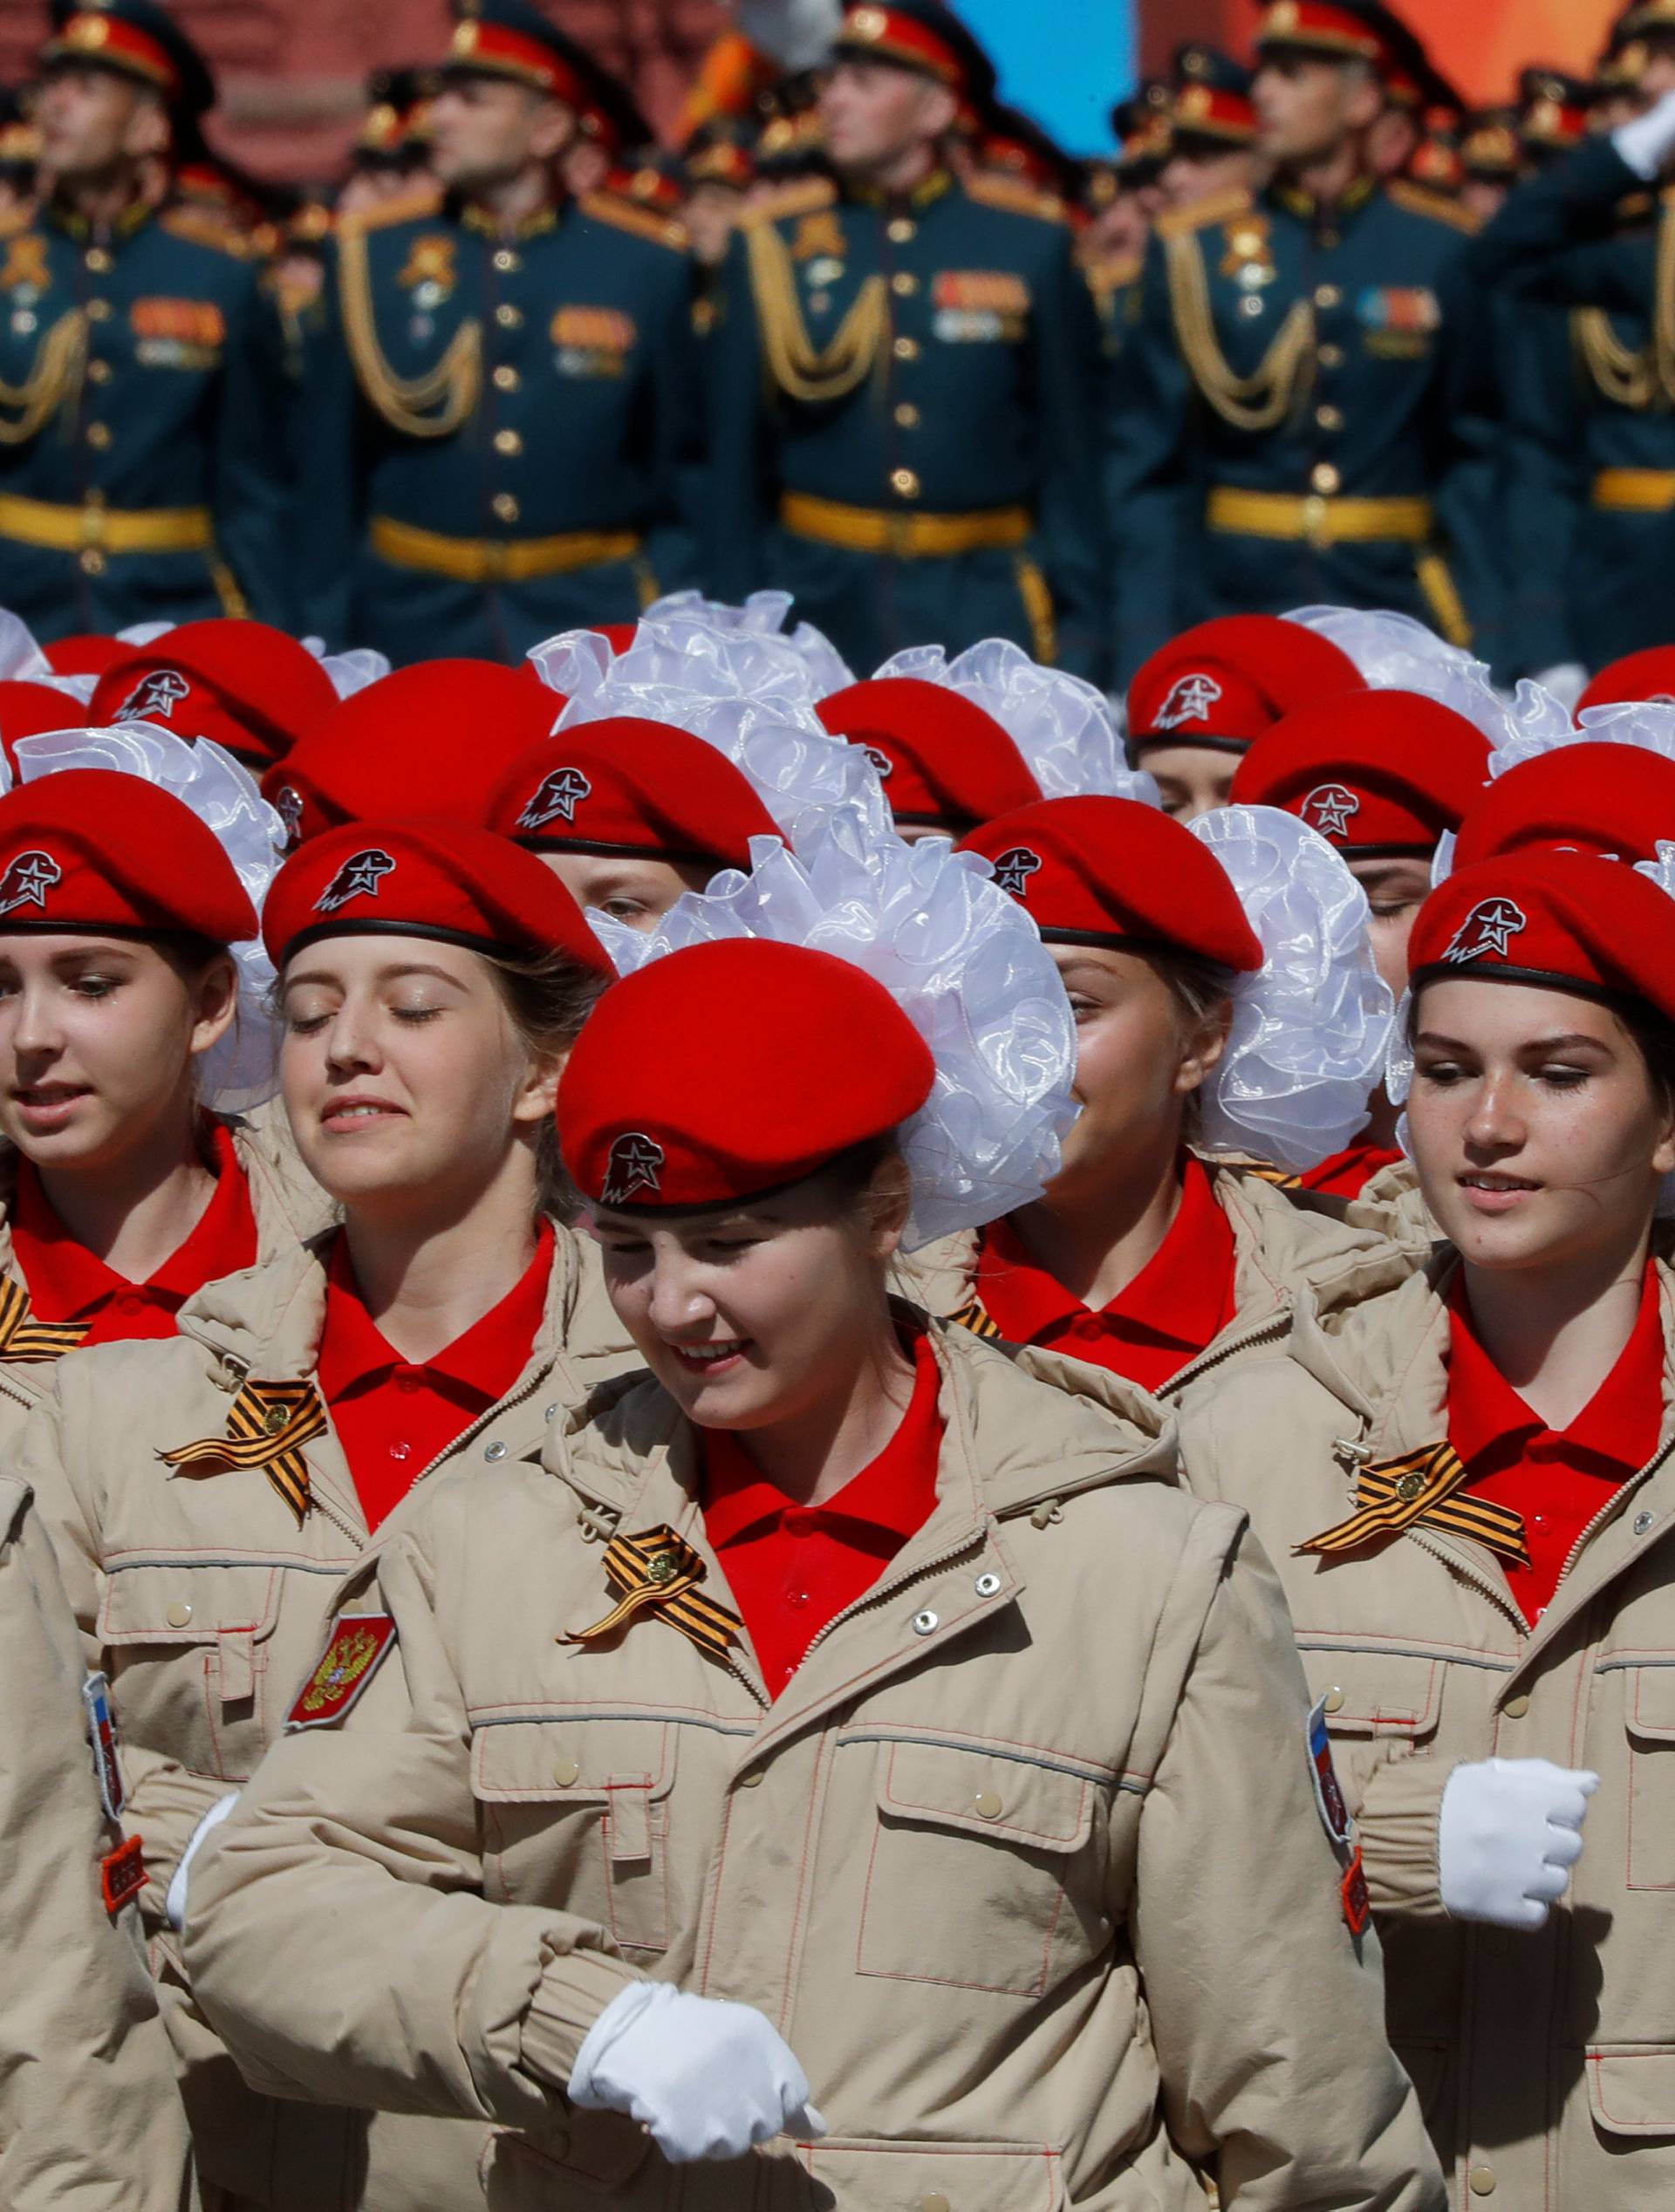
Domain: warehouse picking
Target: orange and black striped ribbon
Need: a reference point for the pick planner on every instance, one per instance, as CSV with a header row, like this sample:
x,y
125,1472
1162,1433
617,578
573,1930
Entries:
x,y
27,1340
1424,1485
979,1321
1281,1178
656,1571
267,1427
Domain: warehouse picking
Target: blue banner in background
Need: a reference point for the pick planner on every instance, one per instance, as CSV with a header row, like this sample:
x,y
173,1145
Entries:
x,y
1062,61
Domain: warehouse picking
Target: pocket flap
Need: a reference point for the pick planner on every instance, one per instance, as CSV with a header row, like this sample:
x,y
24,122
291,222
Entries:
x,y
187,1601
1631,2088
574,1760
1376,1693
1651,1702
984,1793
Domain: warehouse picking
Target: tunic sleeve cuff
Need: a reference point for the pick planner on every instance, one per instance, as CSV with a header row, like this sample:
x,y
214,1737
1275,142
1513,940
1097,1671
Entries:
x,y
569,1997
1399,1819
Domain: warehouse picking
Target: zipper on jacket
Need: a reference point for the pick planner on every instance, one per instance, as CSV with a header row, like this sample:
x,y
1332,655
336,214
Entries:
x,y
1615,1504
887,1586
1278,1326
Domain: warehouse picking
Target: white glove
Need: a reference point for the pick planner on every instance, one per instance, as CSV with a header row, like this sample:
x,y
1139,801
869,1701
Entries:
x,y
1509,1834
1647,142
704,2077
174,1903
1566,680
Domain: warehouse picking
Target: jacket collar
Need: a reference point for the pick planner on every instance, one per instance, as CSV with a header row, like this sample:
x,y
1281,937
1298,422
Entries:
x,y
1307,208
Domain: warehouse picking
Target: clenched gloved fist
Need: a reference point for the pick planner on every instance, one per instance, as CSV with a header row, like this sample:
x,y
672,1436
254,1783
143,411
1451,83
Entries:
x,y
1510,1832
704,2077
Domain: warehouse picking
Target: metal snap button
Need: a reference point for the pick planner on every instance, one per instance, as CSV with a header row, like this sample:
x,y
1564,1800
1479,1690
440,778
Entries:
x,y
988,1807
1515,1708
926,1623
1333,1701
1642,1522
179,1613
988,1584
565,1772
494,1451
1481,2179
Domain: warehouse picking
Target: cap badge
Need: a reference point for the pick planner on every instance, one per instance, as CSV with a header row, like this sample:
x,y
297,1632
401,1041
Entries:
x,y
1490,927
288,805
361,877
1013,870
636,1164
159,694
1190,701
1328,809
27,881
867,23
882,762
557,799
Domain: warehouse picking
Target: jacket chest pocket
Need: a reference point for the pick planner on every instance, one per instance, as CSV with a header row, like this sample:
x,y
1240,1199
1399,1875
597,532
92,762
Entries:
x,y
576,1815
189,1653
1380,1706
1649,1713
981,1872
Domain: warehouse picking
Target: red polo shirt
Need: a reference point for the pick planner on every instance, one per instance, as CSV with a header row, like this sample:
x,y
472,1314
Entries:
x,y
1179,1303
1346,1174
795,1568
394,1416
68,1283
1558,1479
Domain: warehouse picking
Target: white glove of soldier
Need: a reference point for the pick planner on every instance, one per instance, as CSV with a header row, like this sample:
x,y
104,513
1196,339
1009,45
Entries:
x,y
704,2077
1647,142
1509,1834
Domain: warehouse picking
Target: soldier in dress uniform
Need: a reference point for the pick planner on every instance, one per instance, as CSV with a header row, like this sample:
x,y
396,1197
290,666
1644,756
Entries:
x,y
139,360
1212,129
1306,414
904,376
495,418
1590,238
1120,200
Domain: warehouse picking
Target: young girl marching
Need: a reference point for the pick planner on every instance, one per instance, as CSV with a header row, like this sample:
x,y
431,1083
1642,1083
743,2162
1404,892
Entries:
x,y
1465,1482
207,1493
736,1781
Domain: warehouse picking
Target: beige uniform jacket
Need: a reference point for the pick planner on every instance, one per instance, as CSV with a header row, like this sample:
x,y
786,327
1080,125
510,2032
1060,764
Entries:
x,y
1282,1240
90,2120
1024,1862
1547,2061
205,1602
288,1203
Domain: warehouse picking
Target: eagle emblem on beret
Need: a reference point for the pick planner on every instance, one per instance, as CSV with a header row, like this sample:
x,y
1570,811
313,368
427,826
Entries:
x,y
1190,701
159,694
1328,809
27,881
1489,928
636,1164
560,795
1014,869
360,877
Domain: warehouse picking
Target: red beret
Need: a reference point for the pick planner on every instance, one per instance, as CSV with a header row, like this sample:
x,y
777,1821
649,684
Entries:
x,y
1568,919
943,760
29,710
434,739
92,849
1116,873
83,654
1224,682
1617,801
1637,676
628,785
249,687
1373,771
727,1070
463,884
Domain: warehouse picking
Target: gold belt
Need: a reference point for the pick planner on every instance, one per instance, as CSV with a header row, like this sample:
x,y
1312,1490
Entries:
x,y
1318,521
105,529
489,560
869,529
1638,491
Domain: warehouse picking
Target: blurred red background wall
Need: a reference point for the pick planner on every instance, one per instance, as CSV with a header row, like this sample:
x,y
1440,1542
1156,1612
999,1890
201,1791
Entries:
x,y
1482,46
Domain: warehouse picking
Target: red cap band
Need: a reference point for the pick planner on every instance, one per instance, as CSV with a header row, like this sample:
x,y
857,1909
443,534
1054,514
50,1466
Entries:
x,y
108,39
894,36
500,53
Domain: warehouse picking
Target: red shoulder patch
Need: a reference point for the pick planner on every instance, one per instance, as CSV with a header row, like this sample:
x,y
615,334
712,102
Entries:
x,y
352,1656
1358,1905
122,1875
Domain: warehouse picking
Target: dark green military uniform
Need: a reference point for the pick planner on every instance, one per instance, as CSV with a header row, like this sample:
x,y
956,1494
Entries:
x,y
137,425
903,418
140,384
493,427
1587,239
1308,418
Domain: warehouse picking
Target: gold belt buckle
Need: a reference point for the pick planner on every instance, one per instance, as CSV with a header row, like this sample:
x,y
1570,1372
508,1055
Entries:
x,y
92,526
497,560
1316,521
901,536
